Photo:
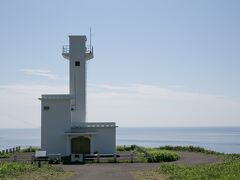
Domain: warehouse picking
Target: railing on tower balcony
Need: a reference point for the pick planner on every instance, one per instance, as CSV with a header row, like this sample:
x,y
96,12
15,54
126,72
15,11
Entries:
x,y
65,49
88,52
93,124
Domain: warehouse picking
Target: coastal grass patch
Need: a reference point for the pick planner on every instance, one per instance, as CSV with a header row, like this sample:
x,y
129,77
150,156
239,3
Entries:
x,y
189,149
15,170
228,170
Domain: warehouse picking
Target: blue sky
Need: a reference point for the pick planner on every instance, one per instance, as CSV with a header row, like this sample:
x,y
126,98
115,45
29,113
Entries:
x,y
185,54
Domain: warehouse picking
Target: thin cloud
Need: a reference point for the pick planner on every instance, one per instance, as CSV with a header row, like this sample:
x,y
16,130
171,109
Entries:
x,y
128,105
43,73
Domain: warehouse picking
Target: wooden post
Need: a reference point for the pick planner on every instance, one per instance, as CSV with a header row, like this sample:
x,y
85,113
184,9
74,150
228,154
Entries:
x,y
14,158
10,150
3,151
131,157
98,158
115,158
7,151
32,160
39,164
13,150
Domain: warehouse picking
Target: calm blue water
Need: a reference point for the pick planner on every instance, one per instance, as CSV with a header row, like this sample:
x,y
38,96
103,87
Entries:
x,y
219,139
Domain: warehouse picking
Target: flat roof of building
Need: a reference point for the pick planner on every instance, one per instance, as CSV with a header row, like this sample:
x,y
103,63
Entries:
x,y
94,125
55,96
79,133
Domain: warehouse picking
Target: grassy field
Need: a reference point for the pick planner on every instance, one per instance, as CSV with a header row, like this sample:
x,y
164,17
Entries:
x,y
228,169
13,170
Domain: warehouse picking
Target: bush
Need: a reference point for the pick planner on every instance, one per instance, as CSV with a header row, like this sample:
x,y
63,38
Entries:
x,y
120,148
156,155
189,148
30,149
126,148
141,158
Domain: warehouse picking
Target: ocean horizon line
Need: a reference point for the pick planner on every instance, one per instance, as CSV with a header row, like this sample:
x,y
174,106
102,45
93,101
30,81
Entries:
x,y
147,127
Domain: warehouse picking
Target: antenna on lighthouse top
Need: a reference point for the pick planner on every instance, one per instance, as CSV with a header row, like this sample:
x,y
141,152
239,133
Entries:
x,y
90,39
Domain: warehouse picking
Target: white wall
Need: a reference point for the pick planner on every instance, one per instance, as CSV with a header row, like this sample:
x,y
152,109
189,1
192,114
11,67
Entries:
x,y
104,139
55,122
104,142
78,78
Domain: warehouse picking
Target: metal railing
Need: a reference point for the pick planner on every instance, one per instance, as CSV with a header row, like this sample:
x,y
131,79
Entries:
x,y
66,49
95,124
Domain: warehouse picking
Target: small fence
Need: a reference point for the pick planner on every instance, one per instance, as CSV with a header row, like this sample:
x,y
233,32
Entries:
x,y
114,158
16,154
11,150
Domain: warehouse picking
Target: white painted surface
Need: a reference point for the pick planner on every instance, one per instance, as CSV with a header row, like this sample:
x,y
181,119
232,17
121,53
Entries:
x,y
40,154
104,142
103,139
77,78
55,122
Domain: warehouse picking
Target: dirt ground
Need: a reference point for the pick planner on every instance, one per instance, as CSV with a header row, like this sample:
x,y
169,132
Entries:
x,y
124,171
192,158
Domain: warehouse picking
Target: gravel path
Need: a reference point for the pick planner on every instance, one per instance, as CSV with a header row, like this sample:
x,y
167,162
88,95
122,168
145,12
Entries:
x,y
123,171
192,158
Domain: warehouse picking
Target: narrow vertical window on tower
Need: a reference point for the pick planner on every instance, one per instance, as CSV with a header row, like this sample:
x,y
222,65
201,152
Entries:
x,y
77,63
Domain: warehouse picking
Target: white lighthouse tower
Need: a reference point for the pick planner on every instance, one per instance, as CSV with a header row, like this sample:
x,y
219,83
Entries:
x,y
63,126
77,54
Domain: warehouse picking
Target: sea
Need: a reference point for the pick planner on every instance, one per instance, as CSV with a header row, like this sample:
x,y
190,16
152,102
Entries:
x,y
221,139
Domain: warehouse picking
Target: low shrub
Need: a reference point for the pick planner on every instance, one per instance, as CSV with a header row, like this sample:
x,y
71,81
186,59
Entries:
x,y
188,148
126,148
30,149
140,157
156,155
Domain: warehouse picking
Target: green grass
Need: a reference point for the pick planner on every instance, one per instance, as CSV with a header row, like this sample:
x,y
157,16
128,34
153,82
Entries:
x,y
11,169
14,170
228,170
